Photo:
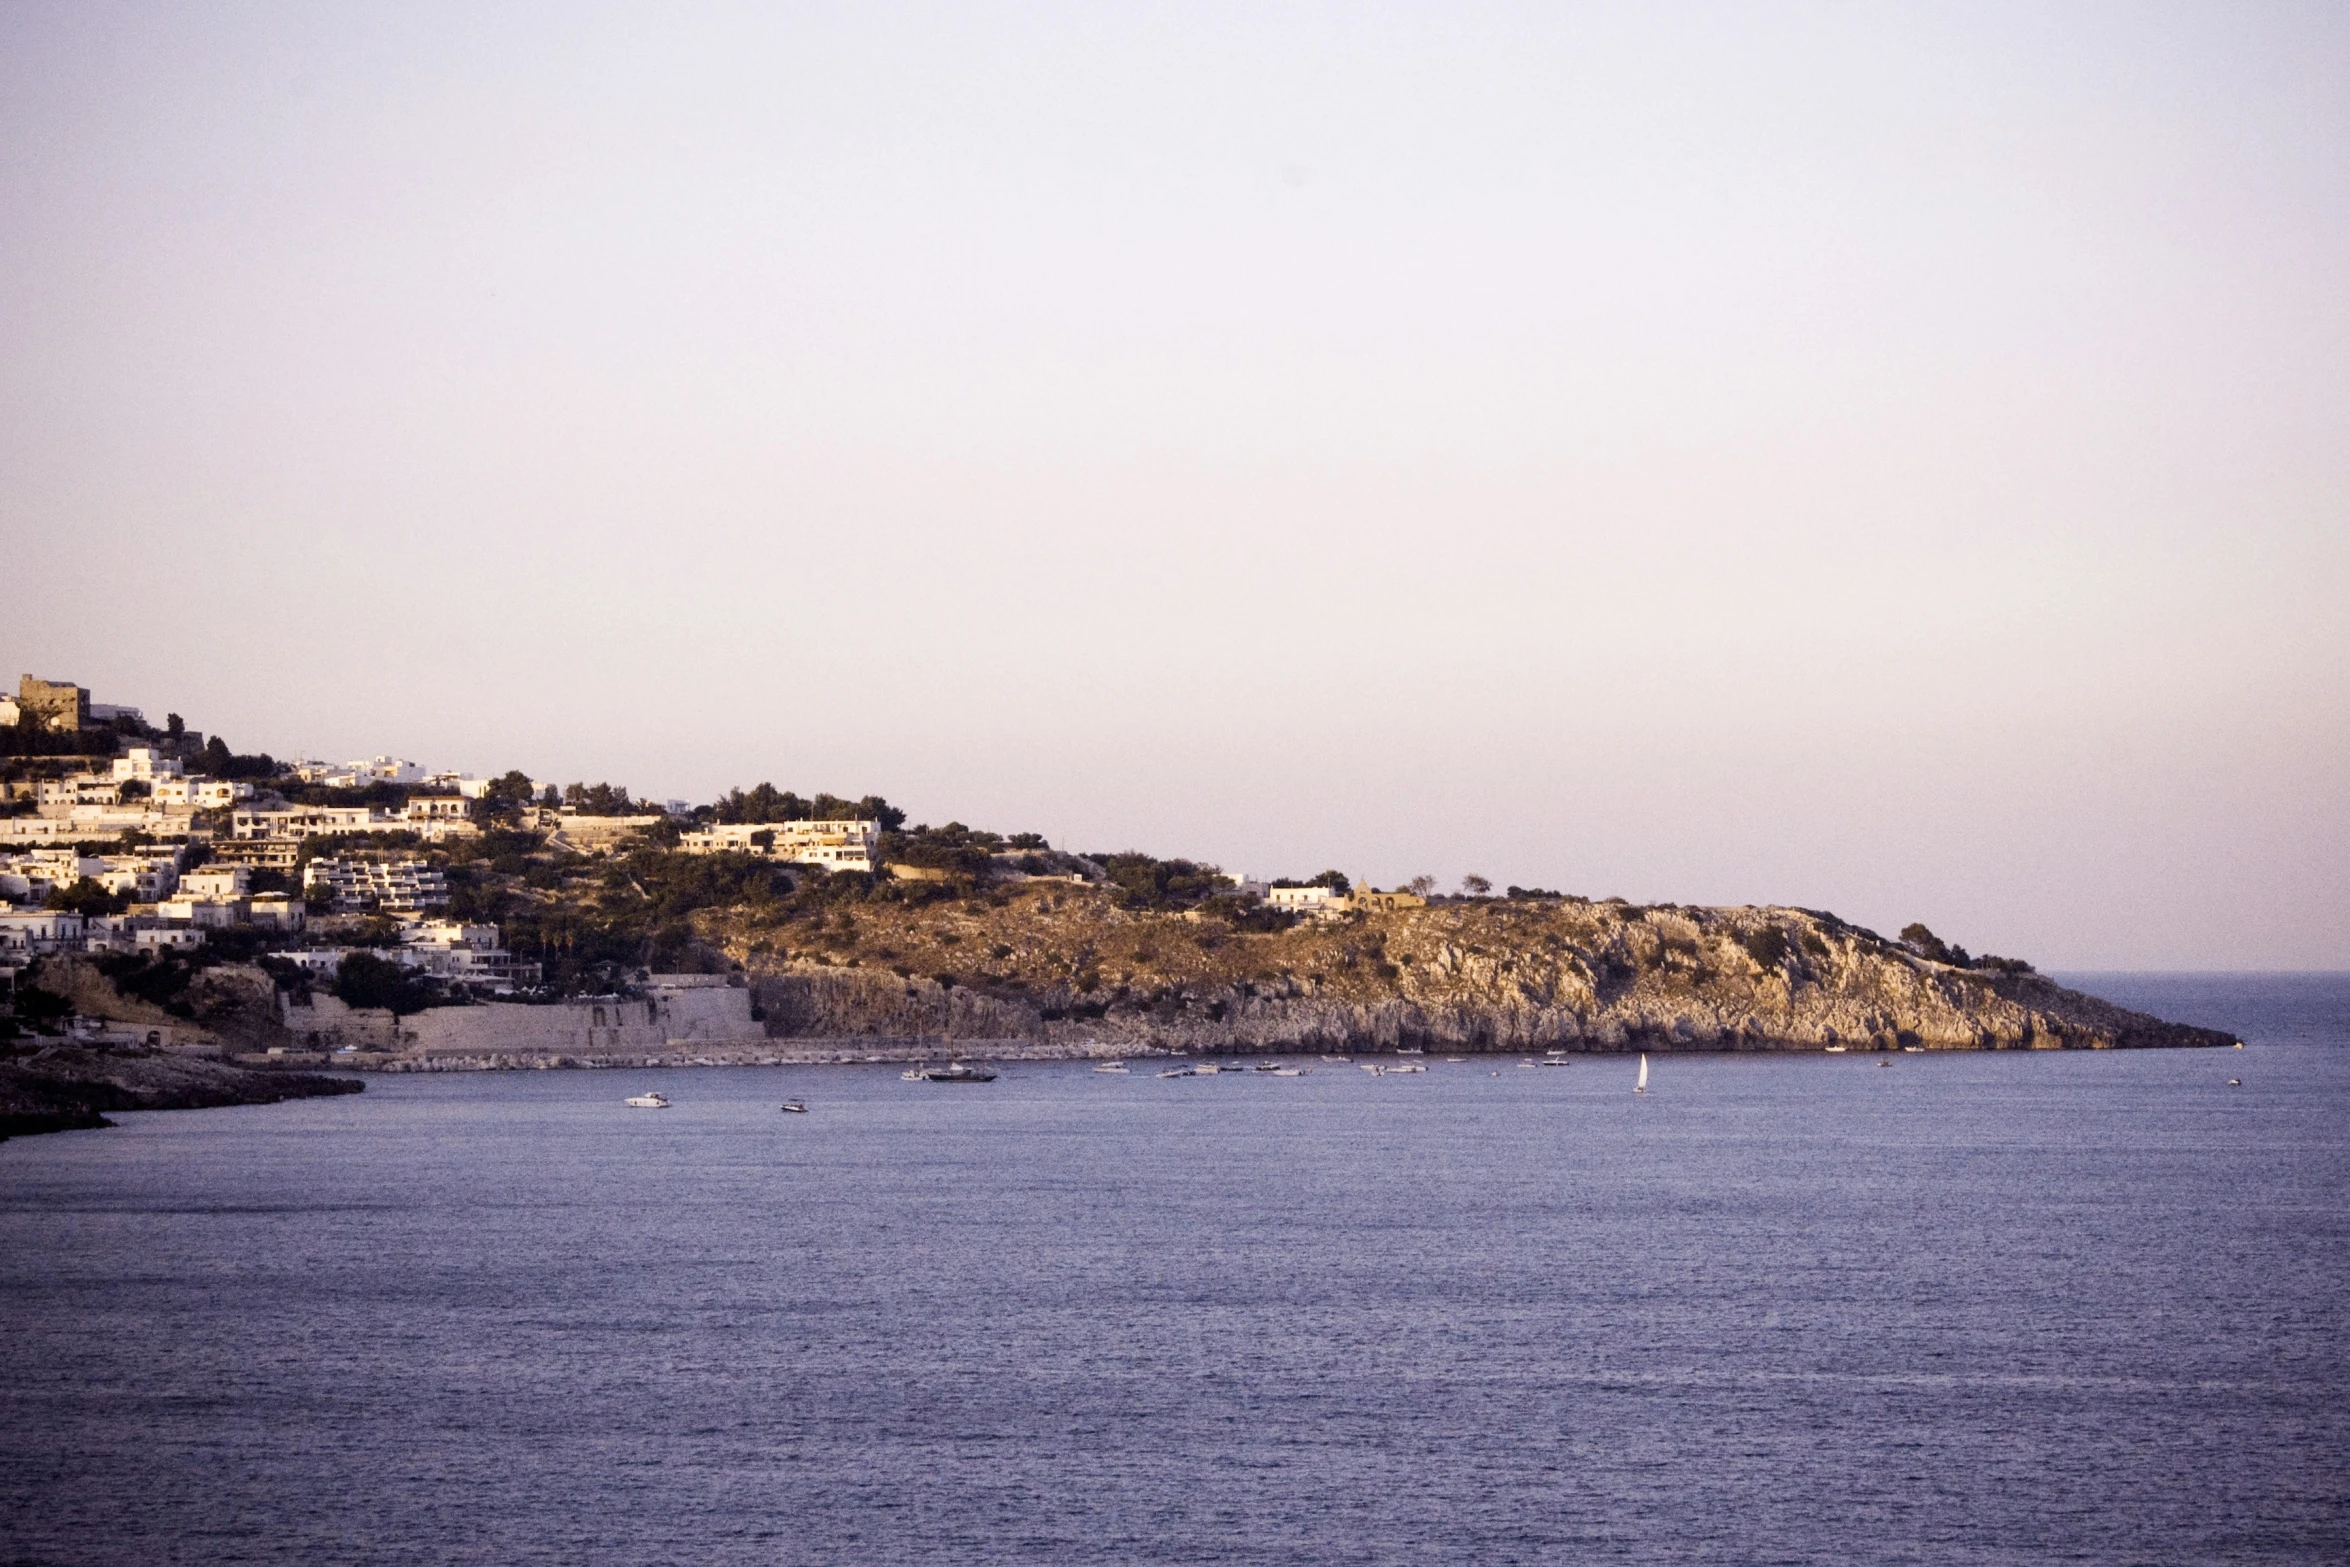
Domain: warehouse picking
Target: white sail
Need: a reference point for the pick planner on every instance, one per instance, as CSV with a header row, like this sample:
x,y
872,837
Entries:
x,y
1643,1086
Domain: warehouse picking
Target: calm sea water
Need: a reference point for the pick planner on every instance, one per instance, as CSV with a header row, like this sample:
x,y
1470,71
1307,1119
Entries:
x,y
1971,1308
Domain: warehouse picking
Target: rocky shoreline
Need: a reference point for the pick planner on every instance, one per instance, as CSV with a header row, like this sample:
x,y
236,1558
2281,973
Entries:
x,y
70,1087
1567,975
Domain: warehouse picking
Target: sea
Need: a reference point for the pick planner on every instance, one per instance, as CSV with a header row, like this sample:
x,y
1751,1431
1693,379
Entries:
x,y
1998,1308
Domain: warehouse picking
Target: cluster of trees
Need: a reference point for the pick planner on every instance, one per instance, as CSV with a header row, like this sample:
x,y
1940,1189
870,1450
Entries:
x,y
365,980
768,804
30,737
964,851
1144,881
389,796
1334,880
1926,944
604,799
86,897
218,761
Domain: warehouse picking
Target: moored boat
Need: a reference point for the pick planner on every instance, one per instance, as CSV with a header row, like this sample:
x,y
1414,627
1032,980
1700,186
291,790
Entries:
x,y
957,1072
649,1101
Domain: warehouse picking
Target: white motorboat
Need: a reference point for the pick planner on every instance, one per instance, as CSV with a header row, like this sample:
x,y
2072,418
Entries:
x,y
1405,1066
1179,1071
1338,1058
649,1102
1111,1066
1837,1050
1206,1069
793,1107
1291,1071
913,1074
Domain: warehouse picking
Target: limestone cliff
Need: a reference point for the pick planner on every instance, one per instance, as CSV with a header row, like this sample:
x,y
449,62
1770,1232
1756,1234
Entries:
x,y
1068,965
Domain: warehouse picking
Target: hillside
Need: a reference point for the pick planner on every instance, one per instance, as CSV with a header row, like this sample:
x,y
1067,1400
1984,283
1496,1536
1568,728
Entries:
x,y
1057,962
957,934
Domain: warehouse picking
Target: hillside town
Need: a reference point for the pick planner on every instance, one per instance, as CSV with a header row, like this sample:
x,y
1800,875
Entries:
x,y
153,851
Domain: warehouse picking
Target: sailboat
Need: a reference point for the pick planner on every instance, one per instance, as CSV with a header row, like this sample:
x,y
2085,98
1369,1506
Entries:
x,y
1641,1087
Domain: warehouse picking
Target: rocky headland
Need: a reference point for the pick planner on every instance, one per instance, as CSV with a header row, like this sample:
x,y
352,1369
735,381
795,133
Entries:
x,y
1070,967
64,1086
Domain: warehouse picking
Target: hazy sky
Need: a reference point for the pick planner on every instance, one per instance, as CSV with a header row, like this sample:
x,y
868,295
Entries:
x,y
1894,460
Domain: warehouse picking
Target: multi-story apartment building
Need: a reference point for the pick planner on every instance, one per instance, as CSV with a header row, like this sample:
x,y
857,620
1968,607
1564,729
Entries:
x,y
395,886
303,821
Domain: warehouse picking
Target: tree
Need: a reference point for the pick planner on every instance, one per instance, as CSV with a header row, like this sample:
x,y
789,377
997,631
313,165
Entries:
x,y
512,789
215,758
1475,886
1420,886
365,980
175,726
86,897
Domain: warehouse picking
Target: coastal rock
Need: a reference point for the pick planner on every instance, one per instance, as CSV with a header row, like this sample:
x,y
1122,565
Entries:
x,y
1487,975
65,1087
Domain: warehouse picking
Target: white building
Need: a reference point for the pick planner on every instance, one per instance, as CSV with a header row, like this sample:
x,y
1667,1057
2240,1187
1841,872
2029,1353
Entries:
x,y
834,845
276,911
204,794
166,938
144,878
376,769
468,953
303,821
466,785
59,796
146,764
1304,900
29,933
203,913
217,881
